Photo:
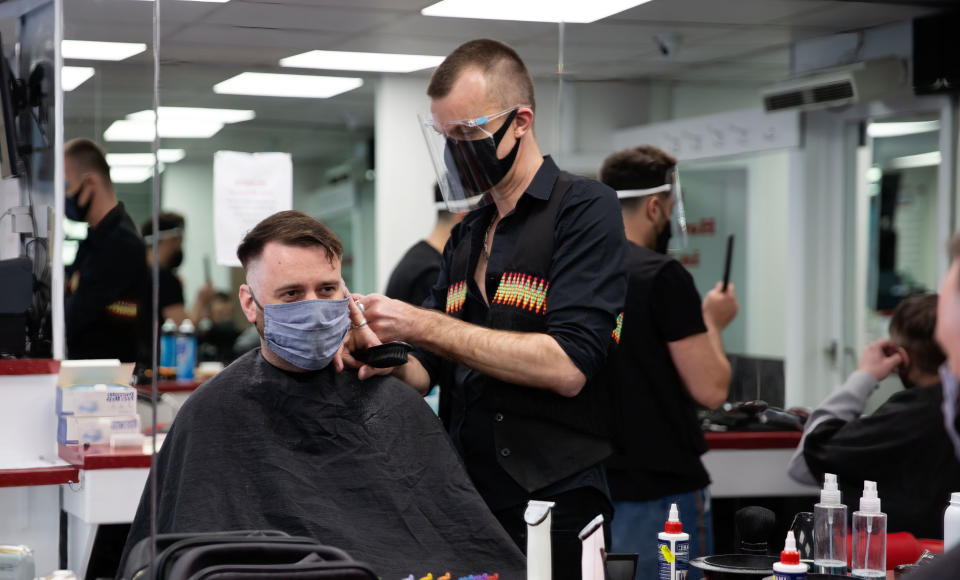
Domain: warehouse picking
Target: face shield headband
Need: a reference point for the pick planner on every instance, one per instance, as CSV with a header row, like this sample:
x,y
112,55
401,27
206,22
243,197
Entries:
x,y
678,217
464,156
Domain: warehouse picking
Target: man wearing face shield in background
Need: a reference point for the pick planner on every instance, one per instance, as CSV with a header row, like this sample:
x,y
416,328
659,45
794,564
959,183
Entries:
x,y
170,256
279,440
106,306
668,358
531,282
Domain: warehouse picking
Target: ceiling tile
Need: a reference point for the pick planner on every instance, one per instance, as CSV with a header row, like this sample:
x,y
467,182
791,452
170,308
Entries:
x,y
719,11
299,17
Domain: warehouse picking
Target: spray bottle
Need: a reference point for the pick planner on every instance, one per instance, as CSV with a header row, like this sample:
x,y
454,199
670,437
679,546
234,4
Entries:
x,y
168,350
869,536
789,566
186,350
673,548
830,530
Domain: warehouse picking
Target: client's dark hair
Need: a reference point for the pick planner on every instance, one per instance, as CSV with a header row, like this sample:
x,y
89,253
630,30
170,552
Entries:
x,y
912,326
293,228
640,167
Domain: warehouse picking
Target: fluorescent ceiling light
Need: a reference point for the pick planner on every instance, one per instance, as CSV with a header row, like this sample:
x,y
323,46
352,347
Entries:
x,y
196,114
280,85
902,128
531,10
144,159
130,174
362,61
142,130
914,161
72,77
92,50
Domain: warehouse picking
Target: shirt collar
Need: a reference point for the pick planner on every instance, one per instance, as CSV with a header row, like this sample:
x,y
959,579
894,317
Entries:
x,y
540,188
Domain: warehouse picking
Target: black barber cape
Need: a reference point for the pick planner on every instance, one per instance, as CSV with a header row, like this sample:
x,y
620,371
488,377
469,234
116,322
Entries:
x,y
361,466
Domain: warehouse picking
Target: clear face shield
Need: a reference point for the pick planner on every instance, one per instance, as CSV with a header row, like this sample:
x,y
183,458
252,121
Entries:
x,y
464,155
678,216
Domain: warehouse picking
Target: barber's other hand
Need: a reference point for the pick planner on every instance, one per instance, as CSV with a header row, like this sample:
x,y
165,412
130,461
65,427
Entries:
x,y
359,337
719,307
880,358
390,319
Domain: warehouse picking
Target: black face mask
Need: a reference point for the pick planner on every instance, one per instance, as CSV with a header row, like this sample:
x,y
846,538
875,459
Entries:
x,y
73,210
663,238
176,260
476,162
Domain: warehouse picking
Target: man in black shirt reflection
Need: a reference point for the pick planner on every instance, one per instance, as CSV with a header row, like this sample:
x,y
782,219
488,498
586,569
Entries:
x,y
107,314
417,271
668,358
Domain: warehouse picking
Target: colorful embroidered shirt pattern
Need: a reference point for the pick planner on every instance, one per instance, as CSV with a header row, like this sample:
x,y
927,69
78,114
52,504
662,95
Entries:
x,y
522,291
618,329
456,296
123,309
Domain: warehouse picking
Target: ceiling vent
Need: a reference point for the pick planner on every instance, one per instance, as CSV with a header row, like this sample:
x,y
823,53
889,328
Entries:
x,y
837,86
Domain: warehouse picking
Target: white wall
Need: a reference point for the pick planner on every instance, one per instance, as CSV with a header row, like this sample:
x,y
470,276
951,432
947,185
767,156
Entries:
x,y
9,197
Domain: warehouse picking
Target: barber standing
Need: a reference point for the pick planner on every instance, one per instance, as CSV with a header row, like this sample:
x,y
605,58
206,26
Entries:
x,y
668,359
528,292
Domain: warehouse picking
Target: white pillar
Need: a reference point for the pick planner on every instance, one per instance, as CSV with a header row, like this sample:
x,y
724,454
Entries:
x,y
405,211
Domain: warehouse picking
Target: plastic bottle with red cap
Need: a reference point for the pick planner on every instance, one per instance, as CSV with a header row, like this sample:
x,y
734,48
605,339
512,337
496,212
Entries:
x,y
673,548
789,566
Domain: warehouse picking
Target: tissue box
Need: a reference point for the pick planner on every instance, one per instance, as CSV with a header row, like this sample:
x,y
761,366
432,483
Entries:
x,y
72,430
97,400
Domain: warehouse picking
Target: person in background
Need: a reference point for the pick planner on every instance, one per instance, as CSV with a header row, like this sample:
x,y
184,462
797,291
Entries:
x,y
519,320
170,256
218,333
417,271
106,311
667,359
902,445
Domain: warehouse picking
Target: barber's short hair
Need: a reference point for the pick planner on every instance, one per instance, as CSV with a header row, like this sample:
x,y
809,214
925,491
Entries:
x,y
89,157
291,228
509,79
166,221
640,167
912,327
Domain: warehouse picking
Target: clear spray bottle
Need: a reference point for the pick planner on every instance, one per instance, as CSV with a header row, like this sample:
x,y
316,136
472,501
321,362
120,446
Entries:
x,y
830,530
869,536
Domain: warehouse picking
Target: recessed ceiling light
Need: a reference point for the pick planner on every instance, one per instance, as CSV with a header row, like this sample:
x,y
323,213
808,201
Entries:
x,y
93,50
913,161
130,174
144,159
531,10
902,128
72,77
196,113
362,61
141,130
281,85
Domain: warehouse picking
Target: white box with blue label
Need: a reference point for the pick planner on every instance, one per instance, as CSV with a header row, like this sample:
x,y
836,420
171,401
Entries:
x,y
101,400
73,430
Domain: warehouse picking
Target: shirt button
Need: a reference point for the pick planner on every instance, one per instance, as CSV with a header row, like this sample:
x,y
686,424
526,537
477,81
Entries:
x,y
498,417
505,452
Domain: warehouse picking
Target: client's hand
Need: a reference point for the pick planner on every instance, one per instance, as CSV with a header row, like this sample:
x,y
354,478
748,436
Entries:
x,y
880,358
360,337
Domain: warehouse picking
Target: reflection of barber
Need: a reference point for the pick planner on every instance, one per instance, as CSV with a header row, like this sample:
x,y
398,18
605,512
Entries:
x,y
531,282
170,256
668,359
105,310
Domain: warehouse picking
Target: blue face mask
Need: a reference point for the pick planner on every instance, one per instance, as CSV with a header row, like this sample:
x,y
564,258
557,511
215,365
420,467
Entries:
x,y
308,333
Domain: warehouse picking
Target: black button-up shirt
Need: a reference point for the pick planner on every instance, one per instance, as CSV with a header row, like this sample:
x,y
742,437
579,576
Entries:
x,y
587,290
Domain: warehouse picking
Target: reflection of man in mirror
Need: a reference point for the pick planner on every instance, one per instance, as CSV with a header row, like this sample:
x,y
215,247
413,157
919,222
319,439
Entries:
x,y
902,445
280,440
667,360
106,307
170,256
